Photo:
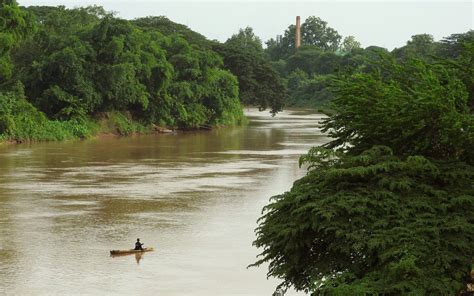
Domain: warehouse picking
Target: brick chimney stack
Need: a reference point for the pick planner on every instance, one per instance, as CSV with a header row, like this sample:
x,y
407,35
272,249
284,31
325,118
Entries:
x,y
298,32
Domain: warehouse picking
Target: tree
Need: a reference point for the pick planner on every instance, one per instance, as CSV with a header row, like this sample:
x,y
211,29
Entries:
x,y
349,44
415,108
168,28
386,207
458,52
315,31
374,51
246,40
287,42
372,224
259,84
297,79
420,46
273,50
313,60
84,62
14,25
309,93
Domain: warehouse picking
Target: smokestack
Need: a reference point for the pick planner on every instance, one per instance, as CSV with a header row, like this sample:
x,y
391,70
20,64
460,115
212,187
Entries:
x,y
298,32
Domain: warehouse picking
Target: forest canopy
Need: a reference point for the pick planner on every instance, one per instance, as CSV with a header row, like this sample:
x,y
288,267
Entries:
x,y
75,67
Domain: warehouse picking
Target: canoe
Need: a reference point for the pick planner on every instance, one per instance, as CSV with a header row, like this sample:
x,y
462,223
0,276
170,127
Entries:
x,y
131,251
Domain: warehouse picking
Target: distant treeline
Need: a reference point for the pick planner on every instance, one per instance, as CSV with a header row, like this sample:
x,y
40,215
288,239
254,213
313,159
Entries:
x,y
324,55
63,71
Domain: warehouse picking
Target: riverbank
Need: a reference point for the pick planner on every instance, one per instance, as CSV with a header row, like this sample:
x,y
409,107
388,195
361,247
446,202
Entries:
x,y
104,125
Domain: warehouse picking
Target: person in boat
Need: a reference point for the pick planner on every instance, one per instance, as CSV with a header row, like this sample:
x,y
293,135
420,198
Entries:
x,y
138,245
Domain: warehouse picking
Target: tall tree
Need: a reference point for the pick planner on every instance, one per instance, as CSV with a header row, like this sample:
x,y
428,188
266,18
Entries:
x,y
349,44
246,40
420,46
259,84
315,31
14,25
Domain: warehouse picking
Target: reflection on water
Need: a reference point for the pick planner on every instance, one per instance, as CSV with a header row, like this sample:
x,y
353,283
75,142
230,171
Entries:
x,y
138,256
193,196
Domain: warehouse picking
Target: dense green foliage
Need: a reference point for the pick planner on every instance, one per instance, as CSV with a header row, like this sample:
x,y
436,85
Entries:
x,y
323,56
315,33
167,27
349,44
14,25
259,84
78,65
246,40
21,121
386,207
458,51
306,92
418,108
374,224
107,64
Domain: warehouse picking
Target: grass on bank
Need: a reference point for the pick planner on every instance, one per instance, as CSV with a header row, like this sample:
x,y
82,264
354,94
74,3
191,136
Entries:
x,y
21,122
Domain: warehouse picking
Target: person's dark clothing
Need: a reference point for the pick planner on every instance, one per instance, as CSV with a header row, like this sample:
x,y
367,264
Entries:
x,y
138,246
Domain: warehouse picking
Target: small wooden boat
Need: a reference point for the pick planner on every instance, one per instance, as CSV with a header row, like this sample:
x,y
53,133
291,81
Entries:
x,y
131,251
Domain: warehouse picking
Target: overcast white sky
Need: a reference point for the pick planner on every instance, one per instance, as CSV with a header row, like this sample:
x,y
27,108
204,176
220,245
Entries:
x,y
384,23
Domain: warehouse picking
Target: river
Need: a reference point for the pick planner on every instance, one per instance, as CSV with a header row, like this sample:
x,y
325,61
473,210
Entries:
x,y
194,196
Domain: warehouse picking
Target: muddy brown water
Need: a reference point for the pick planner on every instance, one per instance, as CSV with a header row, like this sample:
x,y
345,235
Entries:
x,y
193,196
